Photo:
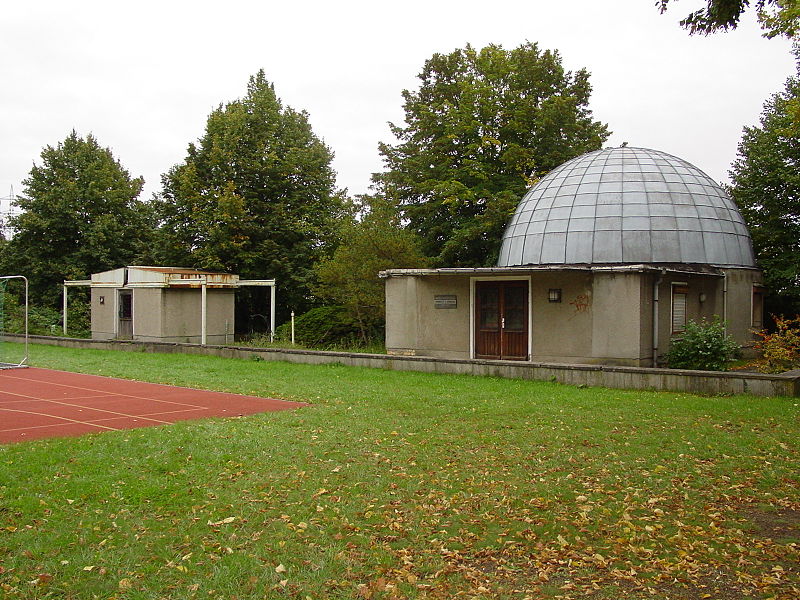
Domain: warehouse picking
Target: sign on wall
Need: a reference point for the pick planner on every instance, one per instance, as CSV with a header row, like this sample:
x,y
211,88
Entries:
x,y
445,301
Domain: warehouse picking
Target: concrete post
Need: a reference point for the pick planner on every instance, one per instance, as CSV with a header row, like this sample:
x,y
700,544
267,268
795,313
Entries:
x,y
203,308
64,311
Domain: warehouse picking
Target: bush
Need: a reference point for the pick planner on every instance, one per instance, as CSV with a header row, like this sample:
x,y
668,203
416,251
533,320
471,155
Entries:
x,y
44,320
703,346
780,351
325,327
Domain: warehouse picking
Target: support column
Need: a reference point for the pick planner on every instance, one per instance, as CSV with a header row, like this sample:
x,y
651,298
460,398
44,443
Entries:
x,y
272,313
203,310
64,311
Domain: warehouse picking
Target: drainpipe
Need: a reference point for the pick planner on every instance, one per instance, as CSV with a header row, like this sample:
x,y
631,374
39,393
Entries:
x,y
725,301
655,317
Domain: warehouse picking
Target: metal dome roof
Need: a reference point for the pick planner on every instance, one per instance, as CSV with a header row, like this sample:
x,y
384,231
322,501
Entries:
x,y
626,205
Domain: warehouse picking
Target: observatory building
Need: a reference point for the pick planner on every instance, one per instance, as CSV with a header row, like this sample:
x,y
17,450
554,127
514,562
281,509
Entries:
x,y
604,261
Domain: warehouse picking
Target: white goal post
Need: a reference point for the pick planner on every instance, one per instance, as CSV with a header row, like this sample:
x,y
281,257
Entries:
x,y
4,363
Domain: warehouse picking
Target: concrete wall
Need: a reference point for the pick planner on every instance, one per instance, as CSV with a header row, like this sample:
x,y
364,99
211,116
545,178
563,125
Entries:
x,y
444,331
573,330
163,314
147,313
401,315
603,318
739,312
735,307
181,320
709,286
415,326
103,316
617,319
698,382
562,331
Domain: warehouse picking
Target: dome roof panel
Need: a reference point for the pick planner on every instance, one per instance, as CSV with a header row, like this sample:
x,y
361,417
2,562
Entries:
x,y
626,205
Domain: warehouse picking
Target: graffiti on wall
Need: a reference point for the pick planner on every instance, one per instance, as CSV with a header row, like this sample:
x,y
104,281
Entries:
x,y
581,303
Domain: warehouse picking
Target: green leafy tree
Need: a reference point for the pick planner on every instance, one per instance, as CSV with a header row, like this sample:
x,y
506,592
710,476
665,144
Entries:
x,y
481,128
373,243
766,186
777,17
254,196
80,214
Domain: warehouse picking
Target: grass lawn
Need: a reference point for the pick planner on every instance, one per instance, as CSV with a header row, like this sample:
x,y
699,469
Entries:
x,y
406,485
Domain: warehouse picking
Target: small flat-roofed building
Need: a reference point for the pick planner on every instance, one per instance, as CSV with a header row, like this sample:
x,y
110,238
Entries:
x,y
604,261
164,304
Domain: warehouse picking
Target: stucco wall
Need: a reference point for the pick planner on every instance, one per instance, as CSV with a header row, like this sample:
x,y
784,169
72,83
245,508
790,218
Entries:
x,y
604,317
739,313
444,331
401,315
181,315
147,313
561,330
103,316
617,314
415,326
709,286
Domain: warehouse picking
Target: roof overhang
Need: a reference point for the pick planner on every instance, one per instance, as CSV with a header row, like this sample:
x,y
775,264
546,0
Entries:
x,y
525,270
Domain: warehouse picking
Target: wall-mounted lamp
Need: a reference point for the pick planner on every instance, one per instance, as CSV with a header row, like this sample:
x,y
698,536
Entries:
x,y
554,294
702,297
102,299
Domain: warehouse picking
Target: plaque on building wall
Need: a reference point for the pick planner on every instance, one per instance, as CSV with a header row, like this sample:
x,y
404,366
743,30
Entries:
x,y
445,301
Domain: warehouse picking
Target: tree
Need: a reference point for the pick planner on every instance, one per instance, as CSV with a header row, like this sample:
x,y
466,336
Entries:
x,y
372,244
480,130
80,215
777,17
254,196
766,186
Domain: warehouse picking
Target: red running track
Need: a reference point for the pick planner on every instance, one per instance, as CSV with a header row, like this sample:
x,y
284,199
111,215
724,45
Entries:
x,y
41,403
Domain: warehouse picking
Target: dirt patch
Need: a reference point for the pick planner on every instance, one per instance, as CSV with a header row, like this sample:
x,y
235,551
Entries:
x,y
720,587
780,524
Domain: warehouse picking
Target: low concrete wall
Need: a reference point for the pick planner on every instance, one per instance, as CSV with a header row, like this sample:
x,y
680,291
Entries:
x,y
698,382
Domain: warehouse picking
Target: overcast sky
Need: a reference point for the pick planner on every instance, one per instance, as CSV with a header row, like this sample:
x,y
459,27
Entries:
x,y
143,76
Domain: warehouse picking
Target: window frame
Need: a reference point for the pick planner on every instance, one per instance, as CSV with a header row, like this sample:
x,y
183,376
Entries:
x,y
758,292
678,289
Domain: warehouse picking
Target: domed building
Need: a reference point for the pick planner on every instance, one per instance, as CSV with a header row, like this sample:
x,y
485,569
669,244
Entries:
x,y
604,261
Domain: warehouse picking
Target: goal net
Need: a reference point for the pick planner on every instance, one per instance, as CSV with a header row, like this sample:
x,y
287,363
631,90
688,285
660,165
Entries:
x,y
13,321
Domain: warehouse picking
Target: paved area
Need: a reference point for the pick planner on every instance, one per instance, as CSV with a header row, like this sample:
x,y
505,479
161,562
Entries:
x,y
40,403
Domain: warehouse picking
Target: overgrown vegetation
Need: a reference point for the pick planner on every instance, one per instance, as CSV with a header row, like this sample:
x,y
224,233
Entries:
x,y
372,240
326,327
406,485
780,350
704,346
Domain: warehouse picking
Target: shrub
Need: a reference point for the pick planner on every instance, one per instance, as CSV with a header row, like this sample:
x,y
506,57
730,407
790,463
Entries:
x,y
780,351
324,327
703,346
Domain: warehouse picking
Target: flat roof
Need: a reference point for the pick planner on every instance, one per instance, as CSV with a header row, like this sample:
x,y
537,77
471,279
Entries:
x,y
616,268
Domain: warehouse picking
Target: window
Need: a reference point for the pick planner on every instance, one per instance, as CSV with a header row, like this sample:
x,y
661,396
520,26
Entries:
x,y
758,307
679,293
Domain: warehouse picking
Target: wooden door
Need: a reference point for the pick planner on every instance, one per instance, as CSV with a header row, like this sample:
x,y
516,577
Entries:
x,y
501,320
125,330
